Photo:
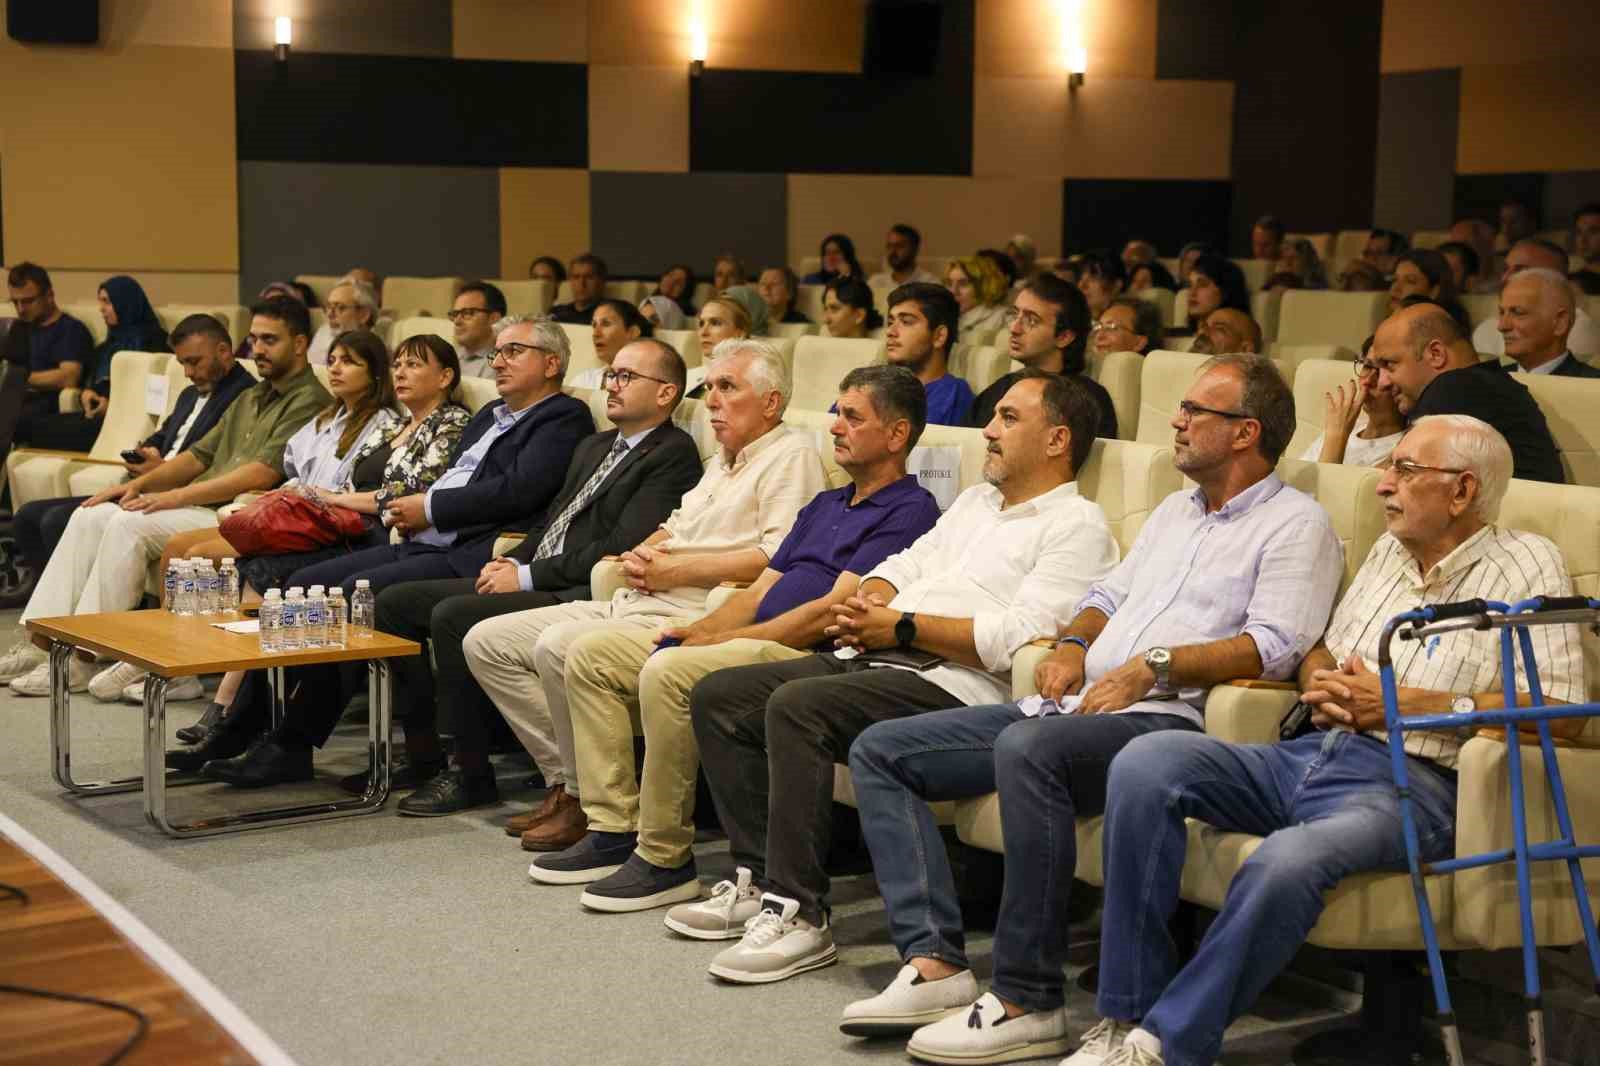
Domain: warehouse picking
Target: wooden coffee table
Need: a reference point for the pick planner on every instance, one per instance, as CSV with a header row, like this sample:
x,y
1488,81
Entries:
x,y
170,646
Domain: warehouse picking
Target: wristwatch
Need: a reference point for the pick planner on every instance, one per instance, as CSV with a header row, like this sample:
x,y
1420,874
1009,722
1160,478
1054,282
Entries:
x,y
905,630
1159,660
1463,705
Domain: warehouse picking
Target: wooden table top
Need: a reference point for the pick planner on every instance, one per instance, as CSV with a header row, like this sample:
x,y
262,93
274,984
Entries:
x,y
170,645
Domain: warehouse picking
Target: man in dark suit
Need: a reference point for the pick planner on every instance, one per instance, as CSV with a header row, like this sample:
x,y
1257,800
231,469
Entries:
x,y
205,351
1537,313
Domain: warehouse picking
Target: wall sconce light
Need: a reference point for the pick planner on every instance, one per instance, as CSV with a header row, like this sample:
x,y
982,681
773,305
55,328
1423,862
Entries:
x,y
1077,60
282,30
698,46
1074,53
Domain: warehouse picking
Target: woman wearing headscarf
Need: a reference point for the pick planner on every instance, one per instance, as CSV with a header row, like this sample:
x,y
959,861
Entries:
x,y
749,298
663,312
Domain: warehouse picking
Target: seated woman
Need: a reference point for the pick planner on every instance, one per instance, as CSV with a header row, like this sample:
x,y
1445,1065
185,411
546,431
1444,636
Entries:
x,y
1360,427
1188,255
1128,324
778,287
352,305
1358,275
1214,282
727,272
131,326
848,310
663,312
1463,261
1151,275
980,290
1299,257
547,268
677,284
724,316
839,260
1426,273
616,322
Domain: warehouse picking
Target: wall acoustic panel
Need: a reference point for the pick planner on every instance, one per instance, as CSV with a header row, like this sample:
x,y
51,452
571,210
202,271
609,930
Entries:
x,y
546,31
641,223
817,35
352,27
1196,39
1529,116
542,212
1428,34
1109,213
395,109
1416,149
324,218
638,118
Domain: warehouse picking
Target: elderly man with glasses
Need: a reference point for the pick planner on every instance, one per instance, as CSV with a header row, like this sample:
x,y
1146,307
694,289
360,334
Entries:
x,y
479,307
351,304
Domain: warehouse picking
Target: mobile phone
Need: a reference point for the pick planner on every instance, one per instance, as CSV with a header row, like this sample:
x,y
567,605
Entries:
x,y
132,455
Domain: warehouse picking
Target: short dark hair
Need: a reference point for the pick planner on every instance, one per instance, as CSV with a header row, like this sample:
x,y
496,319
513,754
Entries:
x,y
1397,242
25,273
1068,403
200,325
1271,224
1467,254
909,232
493,298
1266,397
1227,276
1590,208
1160,276
935,303
895,393
631,318
557,267
594,261
1147,321
427,346
292,313
669,362
1073,315
847,248
1103,265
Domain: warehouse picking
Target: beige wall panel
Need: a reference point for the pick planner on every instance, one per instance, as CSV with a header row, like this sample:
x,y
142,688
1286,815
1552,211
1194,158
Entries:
x,y
1108,128
1429,34
540,31
542,212
131,165
1528,116
956,215
639,118
163,287
1026,38
196,23
816,35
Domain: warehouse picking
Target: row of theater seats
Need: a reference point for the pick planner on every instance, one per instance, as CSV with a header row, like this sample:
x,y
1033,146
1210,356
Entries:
x,y
404,297
235,316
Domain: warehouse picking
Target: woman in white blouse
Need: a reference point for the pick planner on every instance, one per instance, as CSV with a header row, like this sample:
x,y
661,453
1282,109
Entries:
x,y
1362,425
616,323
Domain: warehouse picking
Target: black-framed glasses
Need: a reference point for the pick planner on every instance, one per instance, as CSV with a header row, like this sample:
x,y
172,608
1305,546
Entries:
x,y
462,312
623,378
513,350
1365,368
1405,469
1188,409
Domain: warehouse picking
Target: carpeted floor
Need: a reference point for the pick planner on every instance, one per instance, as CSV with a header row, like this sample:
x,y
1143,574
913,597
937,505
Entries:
x,y
382,939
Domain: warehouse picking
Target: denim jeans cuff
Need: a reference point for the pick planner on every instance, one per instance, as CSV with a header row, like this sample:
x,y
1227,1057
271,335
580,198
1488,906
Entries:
x,y
1122,1008
1031,996
935,949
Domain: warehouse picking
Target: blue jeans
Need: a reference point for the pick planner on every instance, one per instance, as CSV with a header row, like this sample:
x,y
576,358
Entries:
x,y
1047,770
1327,807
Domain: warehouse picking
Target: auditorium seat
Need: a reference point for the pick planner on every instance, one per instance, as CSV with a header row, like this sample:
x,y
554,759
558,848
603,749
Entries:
x,y
319,284
1256,272
809,264
419,296
89,315
474,393
234,316
1164,378
1290,357
793,330
583,355
1315,378
1166,302
1569,406
808,301
1322,242
1429,238
595,400
526,296
1317,317
703,291
1348,245
406,328
687,343
1480,306
983,366
820,362
1265,308
630,292
1118,373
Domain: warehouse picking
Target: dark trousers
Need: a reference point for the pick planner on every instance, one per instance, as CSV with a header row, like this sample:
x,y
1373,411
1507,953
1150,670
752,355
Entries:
x,y
442,611
769,736
38,526
1048,771
391,564
314,701
69,432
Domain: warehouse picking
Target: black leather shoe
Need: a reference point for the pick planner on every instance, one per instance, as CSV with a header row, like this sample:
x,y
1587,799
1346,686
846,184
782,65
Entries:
x,y
218,744
266,762
448,793
404,775
205,726
19,594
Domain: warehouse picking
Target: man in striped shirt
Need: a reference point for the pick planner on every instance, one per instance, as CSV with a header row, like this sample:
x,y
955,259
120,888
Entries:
x,y
1325,801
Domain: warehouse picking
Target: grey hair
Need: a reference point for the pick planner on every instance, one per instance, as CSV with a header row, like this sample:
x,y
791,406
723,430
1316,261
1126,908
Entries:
x,y
366,295
1552,281
1265,397
1473,444
767,371
547,335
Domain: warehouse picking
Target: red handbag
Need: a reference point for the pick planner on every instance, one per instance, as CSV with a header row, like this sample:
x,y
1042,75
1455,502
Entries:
x,y
283,521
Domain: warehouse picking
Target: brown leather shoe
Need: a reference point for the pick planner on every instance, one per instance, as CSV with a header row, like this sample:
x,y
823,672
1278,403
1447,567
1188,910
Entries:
x,y
518,824
565,826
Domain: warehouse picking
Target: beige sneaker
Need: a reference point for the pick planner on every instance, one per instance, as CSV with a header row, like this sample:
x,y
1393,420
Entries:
x,y
1099,1043
107,685
23,658
777,944
37,681
723,916
178,689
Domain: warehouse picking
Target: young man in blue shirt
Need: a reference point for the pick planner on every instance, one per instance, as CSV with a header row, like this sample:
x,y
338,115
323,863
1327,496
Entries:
x,y
921,333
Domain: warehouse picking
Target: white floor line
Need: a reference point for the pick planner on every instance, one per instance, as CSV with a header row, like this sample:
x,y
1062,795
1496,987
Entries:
x,y
222,1009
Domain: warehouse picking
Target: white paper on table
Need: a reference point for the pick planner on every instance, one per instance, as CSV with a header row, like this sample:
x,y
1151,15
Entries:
x,y
249,625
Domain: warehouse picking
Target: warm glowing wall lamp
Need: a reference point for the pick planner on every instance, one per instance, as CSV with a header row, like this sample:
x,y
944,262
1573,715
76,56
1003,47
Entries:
x,y
698,44
1076,63
282,30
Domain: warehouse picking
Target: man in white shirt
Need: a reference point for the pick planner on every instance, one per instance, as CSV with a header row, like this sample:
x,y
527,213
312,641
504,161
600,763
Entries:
x,y
477,308
930,628
1584,338
1537,310
900,249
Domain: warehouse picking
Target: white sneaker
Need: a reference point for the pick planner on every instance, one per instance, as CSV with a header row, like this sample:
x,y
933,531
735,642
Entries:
x,y
909,1003
107,685
776,944
985,1034
23,658
179,688
1099,1043
723,916
36,682
1139,1048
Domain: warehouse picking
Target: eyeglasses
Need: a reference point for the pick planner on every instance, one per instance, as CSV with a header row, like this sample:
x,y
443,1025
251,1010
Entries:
x,y
1030,321
1107,324
1405,469
624,378
339,309
1187,411
1365,368
462,312
512,350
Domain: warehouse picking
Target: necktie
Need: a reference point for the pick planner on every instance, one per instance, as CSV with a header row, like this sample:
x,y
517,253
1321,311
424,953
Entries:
x,y
556,532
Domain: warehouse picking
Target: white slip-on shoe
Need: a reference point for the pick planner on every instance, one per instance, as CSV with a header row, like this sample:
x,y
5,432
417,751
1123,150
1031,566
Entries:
x,y
723,916
178,689
1099,1043
910,1002
1139,1048
36,682
22,658
108,684
777,944
984,1034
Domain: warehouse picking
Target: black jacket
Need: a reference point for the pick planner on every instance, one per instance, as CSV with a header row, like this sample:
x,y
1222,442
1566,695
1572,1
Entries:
x,y
230,388
1573,367
635,498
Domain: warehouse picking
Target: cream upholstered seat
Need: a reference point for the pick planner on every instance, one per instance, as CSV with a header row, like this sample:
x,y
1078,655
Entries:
x,y
234,316
1429,238
1255,271
1322,242
1318,317
687,343
526,296
983,366
319,284
581,338
1265,308
820,362
1348,245
1569,406
1164,377
1118,373
1166,302
628,291
1315,378
89,315
474,393
419,296
417,325
1480,306
808,301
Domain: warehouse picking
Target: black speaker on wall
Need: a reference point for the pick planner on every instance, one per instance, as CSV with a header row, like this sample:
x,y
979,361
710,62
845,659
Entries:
x,y
53,21
902,39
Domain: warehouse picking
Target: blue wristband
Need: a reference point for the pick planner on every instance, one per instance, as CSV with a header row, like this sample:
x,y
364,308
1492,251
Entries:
x,y
1079,641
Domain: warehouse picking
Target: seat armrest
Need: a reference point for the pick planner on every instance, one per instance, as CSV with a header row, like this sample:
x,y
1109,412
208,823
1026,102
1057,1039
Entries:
x,y
1248,712
1023,663
605,578
69,401
1266,686
506,541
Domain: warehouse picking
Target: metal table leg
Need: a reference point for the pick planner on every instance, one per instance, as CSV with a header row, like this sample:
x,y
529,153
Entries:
x,y
61,732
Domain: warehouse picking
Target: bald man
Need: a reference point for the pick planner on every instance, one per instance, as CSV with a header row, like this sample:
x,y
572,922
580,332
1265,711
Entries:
x,y
1535,254
1424,357
1537,309
1227,331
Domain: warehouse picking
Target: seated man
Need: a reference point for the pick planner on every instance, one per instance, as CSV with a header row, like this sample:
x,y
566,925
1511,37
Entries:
x,y
1129,324
1266,239
1537,310
726,529
1136,253
922,324
942,618
1584,337
840,535
1586,237
477,310
587,275
1326,801
1424,358
1233,579
1048,329
1228,331
1383,249
105,553
58,346
901,246
351,304
205,351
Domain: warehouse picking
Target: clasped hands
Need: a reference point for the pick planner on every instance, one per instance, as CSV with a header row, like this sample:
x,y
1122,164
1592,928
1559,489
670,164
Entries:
x,y
650,568
864,623
408,514
1348,695
1060,674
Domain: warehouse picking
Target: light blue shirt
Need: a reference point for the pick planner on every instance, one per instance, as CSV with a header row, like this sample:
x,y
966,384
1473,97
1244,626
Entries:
x,y
461,471
525,570
1266,564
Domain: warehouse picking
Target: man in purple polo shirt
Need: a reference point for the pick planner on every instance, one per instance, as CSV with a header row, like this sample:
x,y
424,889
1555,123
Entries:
x,y
836,539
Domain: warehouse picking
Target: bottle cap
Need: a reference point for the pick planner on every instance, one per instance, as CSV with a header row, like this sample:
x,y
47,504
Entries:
x,y
227,560
296,588
315,589
274,594
363,583
336,591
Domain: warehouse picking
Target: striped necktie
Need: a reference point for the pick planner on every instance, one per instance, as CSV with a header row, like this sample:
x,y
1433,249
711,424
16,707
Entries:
x,y
556,533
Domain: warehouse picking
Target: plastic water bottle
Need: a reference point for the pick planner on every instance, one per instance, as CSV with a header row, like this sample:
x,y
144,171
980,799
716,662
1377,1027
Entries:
x,y
213,587
272,621
228,576
363,608
170,584
205,588
185,590
338,619
294,620
316,624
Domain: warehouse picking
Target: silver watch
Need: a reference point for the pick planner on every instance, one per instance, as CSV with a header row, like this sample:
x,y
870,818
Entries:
x,y
1159,660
